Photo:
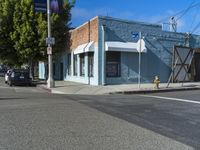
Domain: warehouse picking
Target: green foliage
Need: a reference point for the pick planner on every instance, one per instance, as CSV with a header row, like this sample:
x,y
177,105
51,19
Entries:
x,y
23,32
60,26
8,54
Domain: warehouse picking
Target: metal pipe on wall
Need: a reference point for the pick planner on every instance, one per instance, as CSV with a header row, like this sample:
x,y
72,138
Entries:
x,y
103,55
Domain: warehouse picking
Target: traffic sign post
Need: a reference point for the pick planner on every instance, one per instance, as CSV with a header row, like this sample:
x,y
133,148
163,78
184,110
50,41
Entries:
x,y
49,40
138,35
49,50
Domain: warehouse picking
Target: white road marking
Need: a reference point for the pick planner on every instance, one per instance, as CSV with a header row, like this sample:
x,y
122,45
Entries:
x,y
172,99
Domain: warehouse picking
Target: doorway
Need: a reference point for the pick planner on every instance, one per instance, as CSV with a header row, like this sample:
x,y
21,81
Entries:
x,y
197,67
61,71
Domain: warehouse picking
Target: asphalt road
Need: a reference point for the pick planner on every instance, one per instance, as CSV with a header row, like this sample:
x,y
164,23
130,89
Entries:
x,y
31,119
175,115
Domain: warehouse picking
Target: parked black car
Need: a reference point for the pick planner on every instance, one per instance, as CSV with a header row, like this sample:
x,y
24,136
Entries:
x,y
19,77
3,70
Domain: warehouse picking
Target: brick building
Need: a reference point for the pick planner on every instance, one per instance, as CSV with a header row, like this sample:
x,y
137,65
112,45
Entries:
x,y
106,50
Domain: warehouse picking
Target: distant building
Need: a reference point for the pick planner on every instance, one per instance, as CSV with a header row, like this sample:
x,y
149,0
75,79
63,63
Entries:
x,y
106,50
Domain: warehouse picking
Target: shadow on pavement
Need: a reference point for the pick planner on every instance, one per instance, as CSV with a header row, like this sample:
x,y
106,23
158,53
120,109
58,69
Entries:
x,y
11,98
171,119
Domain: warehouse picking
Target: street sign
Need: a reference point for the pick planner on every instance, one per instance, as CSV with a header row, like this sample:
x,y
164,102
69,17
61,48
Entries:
x,y
50,40
49,50
135,35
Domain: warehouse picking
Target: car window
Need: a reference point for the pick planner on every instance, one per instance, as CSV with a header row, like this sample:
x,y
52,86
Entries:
x,y
17,74
21,73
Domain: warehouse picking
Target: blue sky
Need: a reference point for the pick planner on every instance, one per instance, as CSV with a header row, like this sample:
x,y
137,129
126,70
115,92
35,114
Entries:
x,y
150,11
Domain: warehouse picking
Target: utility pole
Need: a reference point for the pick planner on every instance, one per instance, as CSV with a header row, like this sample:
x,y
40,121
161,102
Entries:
x,y
50,81
139,63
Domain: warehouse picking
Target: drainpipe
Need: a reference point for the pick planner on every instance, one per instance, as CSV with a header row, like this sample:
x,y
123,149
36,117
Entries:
x,y
103,55
88,63
139,63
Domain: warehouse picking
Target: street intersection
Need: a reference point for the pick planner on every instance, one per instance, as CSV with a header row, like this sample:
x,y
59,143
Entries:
x,y
34,119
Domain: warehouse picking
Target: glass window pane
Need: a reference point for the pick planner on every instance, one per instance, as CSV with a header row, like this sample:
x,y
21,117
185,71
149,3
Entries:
x,y
113,64
82,64
91,64
75,65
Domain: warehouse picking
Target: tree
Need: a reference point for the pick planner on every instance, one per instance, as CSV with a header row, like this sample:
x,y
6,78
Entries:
x,y
23,32
41,28
60,26
8,54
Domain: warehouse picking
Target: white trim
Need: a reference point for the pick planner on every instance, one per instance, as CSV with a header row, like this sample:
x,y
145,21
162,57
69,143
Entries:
x,y
172,99
125,46
87,47
80,49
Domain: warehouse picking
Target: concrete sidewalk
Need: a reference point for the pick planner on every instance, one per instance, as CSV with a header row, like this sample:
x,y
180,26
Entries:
x,y
66,87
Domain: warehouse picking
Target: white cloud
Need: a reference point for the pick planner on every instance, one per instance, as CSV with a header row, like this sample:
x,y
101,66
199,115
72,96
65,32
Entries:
x,y
180,23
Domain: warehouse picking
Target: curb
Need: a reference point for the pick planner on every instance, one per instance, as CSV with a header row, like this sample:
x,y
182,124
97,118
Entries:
x,y
43,87
57,92
142,91
156,90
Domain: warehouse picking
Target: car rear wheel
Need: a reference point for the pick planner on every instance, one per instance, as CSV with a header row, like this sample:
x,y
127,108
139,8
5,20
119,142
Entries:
x,y
10,83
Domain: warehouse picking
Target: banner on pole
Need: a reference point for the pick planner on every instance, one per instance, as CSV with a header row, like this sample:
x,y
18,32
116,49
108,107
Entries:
x,y
56,6
40,5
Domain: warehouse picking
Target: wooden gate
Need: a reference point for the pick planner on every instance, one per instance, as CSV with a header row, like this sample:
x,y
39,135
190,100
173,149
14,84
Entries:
x,y
181,64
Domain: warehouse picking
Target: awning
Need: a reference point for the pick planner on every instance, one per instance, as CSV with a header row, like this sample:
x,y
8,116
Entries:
x,y
125,46
87,47
90,47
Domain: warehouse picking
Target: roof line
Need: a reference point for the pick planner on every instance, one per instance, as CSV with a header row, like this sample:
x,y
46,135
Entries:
x,y
85,23
129,21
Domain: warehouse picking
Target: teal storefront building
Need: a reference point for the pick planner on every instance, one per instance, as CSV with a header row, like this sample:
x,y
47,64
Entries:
x,y
106,51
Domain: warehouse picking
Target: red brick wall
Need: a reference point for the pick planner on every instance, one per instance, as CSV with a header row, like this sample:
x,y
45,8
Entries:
x,y
84,34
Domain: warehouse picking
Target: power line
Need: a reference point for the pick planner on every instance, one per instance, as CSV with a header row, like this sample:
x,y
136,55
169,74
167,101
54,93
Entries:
x,y
182,12
195,28
194,18
186,10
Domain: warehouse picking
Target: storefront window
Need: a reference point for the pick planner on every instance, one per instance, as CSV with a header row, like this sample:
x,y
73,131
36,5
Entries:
x,y
75,65
82,64
91,64
113,64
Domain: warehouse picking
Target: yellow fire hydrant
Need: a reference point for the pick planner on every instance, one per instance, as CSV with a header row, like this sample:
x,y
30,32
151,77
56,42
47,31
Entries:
x,y
157,82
